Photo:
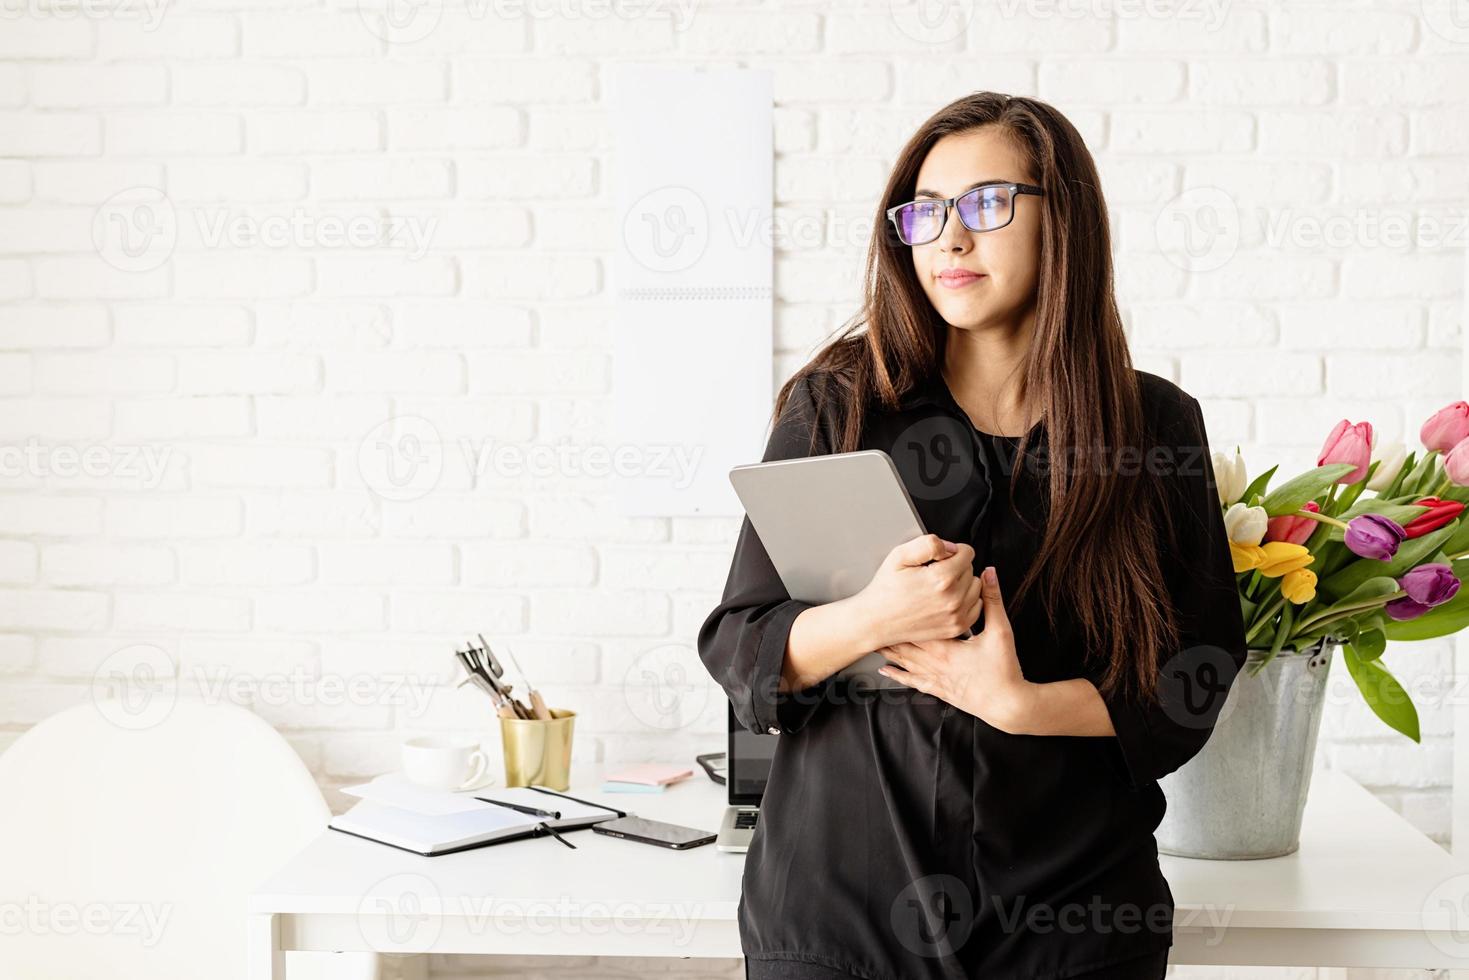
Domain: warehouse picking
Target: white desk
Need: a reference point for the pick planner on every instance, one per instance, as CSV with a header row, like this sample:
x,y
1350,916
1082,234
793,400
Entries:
x,y
1365,890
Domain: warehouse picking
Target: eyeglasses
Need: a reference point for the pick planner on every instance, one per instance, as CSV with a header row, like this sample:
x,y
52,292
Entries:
x,y
987,207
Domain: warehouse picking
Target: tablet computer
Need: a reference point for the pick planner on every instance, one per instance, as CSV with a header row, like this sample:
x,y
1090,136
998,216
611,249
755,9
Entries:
x,y
827,523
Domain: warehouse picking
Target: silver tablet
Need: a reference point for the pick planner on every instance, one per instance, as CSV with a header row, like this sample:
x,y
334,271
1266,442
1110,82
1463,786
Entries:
x,y
827,523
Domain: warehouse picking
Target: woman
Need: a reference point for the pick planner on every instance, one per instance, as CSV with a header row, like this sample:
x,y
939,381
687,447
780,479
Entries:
x,y
992,814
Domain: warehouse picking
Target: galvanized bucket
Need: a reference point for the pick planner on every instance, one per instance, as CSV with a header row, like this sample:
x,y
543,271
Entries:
x,y
1242,797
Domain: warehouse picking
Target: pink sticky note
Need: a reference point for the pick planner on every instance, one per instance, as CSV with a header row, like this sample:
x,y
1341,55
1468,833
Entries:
x,y
651,774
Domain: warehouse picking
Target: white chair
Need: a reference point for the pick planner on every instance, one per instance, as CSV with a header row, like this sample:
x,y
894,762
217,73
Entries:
x,y
127,850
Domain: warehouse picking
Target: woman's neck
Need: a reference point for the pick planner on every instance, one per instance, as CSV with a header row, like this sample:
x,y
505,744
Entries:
x,y
983,369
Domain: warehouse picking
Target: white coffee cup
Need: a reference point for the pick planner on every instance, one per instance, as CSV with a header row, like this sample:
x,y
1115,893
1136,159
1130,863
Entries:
x,y
449,762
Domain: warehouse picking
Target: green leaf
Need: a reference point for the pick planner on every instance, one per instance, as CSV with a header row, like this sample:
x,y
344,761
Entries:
x,y
1441,620
1289,496
1383,694
1422,474
1369,644
1455,492
1410,553
1258,484
1394,489
1352,492
1373,588
1459,540
1287,618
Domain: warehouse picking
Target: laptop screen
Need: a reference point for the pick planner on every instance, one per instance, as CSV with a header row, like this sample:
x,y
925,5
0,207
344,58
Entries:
x,y
750,754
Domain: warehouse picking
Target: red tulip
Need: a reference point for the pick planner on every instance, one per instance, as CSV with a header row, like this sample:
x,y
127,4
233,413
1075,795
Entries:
x,y
1348,443
1289,528
1439,513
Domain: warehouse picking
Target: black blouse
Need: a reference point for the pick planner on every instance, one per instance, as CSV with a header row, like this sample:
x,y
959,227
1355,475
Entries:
x,y
901,838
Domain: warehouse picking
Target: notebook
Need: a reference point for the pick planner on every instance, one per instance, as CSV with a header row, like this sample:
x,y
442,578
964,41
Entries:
x,y
431,823
431,834
567,812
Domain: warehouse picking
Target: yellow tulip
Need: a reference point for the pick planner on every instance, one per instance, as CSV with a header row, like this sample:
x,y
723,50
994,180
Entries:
x,y
1282,557
1246,556
1299,586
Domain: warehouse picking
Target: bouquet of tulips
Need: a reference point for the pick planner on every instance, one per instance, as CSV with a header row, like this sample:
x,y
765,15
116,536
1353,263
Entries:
x,y
1319,557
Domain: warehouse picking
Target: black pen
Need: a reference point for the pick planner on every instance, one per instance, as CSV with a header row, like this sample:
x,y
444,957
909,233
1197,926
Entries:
x,y
553,814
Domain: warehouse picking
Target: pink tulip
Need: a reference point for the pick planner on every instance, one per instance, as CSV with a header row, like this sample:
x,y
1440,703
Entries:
x,y
1294,530
1348,443
1456,464
1447,427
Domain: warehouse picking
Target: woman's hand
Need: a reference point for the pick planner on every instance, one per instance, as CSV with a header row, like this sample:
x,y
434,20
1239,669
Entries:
x,y
980,675
926,589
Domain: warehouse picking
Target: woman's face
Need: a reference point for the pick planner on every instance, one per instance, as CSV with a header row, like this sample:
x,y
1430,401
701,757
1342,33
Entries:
x,y
1007,259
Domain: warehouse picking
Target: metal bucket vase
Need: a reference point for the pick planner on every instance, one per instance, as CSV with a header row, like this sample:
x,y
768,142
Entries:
x,y
1243,795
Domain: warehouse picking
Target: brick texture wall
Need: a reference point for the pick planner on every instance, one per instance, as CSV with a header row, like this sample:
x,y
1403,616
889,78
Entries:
x,y
249,249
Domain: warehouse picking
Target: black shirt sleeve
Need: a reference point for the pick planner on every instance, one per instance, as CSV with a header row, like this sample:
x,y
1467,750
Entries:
x,y
743,641
1156,739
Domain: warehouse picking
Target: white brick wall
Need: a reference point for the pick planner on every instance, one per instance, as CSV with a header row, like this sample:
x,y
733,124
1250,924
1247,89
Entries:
x,y
223,390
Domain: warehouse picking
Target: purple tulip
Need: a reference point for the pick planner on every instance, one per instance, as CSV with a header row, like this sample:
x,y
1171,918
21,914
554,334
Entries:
x,y
1430,585
1405,608
1374,536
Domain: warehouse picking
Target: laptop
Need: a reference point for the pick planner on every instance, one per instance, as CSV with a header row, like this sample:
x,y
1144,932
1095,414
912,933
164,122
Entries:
x,y
748,761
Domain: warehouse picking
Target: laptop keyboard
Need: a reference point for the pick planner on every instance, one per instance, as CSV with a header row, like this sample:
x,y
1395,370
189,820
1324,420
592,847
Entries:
x,y
745,819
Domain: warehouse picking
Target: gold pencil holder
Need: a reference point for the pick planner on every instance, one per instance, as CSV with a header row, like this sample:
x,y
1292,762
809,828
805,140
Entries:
x,y
538,751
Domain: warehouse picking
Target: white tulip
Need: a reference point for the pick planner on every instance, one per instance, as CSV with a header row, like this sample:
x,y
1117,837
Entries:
x,y
1230,478
1246,525
1394,454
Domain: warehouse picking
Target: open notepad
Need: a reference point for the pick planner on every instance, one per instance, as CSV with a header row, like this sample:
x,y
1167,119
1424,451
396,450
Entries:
x,y
431,822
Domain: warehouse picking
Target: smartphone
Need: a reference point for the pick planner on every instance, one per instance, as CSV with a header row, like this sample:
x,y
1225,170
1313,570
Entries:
x,y
654,832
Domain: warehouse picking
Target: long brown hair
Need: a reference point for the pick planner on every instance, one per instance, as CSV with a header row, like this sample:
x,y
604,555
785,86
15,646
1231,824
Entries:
x,y
1100,550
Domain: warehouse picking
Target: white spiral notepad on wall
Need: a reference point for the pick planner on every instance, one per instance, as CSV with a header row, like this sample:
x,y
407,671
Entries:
x,y
692,280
